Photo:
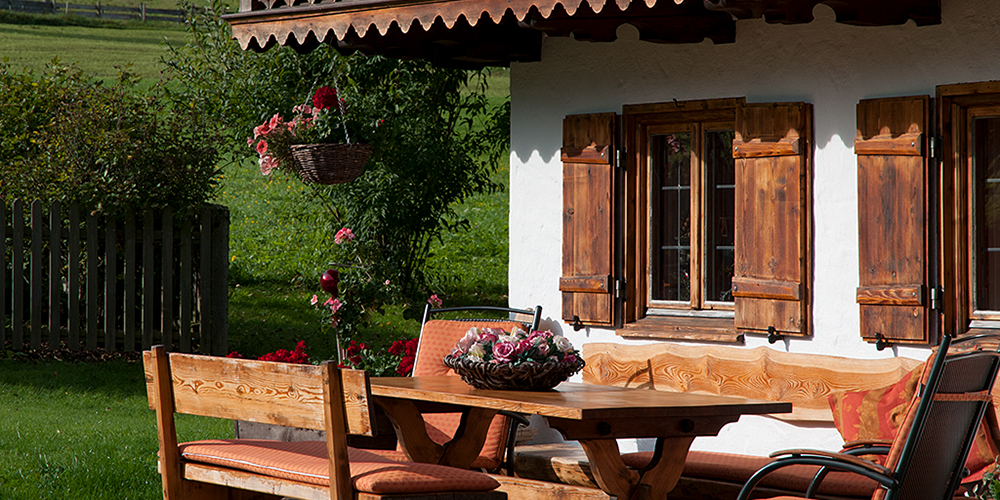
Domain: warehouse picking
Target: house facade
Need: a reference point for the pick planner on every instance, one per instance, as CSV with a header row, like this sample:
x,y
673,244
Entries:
x,y
808,177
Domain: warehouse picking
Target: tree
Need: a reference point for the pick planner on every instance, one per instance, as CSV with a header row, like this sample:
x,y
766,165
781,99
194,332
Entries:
x,y
436,139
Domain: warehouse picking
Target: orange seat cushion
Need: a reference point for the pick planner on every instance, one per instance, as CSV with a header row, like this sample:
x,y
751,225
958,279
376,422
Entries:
x,y
437,338
306,461
737,469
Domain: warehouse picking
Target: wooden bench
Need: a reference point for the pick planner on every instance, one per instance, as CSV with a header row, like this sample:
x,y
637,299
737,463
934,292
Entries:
x,y
305,396
805,380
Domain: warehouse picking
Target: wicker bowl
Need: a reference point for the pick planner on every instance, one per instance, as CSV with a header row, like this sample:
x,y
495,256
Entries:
x,y
507,377
330,163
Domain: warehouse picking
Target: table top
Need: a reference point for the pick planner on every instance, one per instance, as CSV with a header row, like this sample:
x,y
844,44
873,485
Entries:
x,y
574,401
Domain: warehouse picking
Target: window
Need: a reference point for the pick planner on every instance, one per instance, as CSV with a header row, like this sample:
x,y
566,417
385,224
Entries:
x,y
699,230
691,199
970,193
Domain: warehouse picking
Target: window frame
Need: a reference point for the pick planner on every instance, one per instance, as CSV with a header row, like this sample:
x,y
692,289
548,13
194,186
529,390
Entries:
x,y
709,320
957,106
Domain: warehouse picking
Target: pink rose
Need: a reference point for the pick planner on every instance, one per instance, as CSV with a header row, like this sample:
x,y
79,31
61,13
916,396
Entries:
x,y
267,164
488,336
345,234
503,352
262,147
435,301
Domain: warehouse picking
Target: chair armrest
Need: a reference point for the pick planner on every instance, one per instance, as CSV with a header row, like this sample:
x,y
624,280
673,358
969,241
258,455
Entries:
x,y
860,462
517,417
867,442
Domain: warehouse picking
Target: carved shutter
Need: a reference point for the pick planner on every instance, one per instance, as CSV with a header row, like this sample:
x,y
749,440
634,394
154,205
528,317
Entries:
x,y
772,148
893,219
588,213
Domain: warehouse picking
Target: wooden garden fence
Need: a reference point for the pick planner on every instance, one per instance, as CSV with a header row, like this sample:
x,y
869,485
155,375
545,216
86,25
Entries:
x,y
94,10
68,276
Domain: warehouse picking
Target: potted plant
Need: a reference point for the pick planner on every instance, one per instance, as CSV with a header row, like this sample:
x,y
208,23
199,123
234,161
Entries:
x,y
315,143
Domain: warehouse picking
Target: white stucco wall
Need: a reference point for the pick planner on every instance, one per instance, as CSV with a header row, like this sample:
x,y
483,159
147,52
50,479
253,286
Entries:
x,y
827,64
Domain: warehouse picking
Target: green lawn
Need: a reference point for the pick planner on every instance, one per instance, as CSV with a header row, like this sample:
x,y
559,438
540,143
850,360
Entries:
x,y
82,431
95,50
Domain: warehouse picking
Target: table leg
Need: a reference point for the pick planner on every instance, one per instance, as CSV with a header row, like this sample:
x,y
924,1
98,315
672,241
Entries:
x,y
609,470
652,483
411,431
469,438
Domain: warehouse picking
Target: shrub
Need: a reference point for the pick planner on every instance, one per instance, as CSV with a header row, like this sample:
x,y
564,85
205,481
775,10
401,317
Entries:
x,y
104,145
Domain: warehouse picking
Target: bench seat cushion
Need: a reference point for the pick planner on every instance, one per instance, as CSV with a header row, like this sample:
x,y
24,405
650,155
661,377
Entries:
x,y
306,461
738,469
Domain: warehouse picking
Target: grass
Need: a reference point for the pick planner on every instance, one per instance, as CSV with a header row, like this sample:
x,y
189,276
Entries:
x,y
82,431
95,50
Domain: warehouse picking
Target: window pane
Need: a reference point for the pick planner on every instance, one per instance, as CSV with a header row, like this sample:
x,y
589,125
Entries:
x,y
670,221
720,175
986,227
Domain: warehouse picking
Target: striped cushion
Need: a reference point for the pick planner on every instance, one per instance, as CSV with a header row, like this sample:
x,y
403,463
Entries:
x,y
738,469
306,461
437,338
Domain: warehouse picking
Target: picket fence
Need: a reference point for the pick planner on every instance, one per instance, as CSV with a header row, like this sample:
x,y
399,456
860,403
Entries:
x,y
94,10
120,284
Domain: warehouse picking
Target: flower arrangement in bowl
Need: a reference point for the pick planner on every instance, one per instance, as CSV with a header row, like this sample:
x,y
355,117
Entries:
x,y
315,143
491,358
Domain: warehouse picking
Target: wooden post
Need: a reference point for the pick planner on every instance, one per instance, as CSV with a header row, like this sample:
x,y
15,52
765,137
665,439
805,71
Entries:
x,y
3,272
129,313
17,273
148,275
207,288
167,274
73,280
93,281
142,11
36,274
220,276
55,266
110,282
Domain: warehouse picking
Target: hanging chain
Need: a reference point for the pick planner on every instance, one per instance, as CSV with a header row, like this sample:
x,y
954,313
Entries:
x,y
340,106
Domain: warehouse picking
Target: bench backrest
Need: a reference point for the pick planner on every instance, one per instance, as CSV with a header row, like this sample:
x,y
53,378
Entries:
x,y
259,391
805,380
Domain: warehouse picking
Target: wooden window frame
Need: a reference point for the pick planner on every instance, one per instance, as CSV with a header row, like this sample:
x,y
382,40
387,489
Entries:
x,y
957,105
701,320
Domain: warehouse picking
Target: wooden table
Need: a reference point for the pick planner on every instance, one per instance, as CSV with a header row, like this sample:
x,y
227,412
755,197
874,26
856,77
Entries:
x,y
594,415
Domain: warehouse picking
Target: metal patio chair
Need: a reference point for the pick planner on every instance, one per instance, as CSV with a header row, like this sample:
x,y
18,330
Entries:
x,y
926,459
437,337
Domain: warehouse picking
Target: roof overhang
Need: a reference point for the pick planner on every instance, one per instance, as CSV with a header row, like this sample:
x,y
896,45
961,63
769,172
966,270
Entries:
x,y
477,33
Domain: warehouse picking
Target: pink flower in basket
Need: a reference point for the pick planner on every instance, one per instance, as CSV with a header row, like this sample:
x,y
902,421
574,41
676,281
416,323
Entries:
x,y
345,234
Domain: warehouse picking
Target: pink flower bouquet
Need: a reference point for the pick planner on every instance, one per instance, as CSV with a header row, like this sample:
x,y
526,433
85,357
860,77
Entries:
x,y
491,358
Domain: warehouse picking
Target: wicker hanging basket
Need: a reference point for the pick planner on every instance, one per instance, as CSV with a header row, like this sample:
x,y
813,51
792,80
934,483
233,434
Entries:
x,y
330,163
507,377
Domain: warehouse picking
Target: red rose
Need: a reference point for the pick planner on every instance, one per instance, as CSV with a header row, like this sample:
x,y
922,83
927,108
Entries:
x,y
325,97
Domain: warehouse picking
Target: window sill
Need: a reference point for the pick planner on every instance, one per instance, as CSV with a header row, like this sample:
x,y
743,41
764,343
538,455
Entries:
x,y
682,327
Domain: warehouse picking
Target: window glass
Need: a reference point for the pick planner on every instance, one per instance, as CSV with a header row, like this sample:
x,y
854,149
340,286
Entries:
x,y
670,169
986,203
720,174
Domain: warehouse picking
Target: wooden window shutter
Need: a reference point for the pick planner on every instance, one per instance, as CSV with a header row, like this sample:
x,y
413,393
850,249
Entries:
x,y
588,154
893,219
772,147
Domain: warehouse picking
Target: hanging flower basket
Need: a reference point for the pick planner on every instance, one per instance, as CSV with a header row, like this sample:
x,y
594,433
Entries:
x,y
330,163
